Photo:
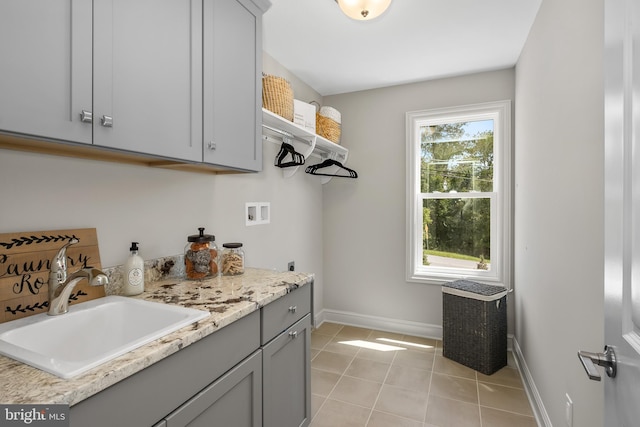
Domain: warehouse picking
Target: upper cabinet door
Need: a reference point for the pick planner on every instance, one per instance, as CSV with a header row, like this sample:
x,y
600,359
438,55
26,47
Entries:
x,y
45,83
148,77
232,84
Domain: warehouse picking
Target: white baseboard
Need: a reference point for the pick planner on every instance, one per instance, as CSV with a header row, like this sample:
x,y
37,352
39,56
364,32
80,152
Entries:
x,y
385,324
379,323
539,411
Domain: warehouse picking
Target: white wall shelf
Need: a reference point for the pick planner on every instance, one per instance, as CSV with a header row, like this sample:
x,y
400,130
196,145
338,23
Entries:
x,y
277,130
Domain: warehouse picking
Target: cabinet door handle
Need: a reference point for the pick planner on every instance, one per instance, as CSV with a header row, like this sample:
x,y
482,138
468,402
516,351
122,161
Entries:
x,y
211,145
86,116
107,121
293,309
293,334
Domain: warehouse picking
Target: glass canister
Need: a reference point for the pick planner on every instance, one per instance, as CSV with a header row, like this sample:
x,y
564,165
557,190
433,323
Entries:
x,y
232,259
201,256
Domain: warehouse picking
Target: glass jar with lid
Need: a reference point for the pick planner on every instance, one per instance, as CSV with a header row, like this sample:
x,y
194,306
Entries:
x,y
201,256
232,259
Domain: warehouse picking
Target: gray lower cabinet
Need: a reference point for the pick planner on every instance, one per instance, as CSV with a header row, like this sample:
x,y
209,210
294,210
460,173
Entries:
x,y
254,372
286,373
286,359
233,400
149,396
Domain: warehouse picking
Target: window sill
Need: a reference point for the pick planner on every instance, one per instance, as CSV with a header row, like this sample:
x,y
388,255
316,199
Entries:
x,y
440,278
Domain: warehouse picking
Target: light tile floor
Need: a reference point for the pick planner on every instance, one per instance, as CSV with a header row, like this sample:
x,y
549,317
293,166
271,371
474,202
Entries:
x,y
367,378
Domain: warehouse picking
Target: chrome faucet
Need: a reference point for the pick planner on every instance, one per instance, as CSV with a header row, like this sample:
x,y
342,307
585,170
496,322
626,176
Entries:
x,y
61,283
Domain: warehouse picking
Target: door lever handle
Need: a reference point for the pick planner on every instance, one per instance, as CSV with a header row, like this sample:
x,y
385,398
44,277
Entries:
x,y
607,360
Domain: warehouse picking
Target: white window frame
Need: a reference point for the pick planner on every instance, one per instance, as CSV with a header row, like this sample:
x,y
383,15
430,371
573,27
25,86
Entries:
x,y
500,112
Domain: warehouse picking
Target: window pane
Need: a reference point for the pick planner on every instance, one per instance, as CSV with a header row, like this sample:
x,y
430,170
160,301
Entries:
x,y
457,233
457,157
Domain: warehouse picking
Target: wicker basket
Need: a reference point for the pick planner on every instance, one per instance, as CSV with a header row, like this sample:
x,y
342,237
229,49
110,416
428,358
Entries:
x,y
328,124
277,96
474,325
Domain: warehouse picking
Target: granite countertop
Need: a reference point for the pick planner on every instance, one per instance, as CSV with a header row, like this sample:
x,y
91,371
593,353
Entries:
x,y
227,298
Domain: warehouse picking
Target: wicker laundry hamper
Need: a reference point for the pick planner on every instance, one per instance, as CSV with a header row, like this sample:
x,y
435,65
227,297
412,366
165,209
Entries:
x,y
474,325
277,96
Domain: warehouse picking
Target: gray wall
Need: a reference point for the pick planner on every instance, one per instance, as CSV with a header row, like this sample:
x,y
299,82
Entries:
x,y
559,204
364,219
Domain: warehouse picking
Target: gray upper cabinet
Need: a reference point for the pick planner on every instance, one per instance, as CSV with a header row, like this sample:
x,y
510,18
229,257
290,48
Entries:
x,y
147,88
232,84
171,79
45,49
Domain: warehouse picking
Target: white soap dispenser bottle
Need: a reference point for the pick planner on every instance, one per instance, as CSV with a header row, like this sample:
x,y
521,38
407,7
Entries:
x,y
133,272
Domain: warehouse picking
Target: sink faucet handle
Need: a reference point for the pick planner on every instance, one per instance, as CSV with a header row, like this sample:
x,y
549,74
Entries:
x,y
59,262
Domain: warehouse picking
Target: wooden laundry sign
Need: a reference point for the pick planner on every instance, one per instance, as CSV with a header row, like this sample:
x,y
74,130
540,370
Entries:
x,y
25,261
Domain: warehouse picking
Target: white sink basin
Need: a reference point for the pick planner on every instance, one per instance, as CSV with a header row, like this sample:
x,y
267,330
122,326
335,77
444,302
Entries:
x,y
91,333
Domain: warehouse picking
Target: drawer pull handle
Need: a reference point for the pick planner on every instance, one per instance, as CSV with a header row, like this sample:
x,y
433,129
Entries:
x,y
293,334
293,309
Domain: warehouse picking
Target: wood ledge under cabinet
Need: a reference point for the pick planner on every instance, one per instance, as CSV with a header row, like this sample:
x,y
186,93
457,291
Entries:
x,y
92,152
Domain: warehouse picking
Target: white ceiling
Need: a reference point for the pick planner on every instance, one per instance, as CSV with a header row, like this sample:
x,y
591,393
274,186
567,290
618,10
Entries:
x,y
414,40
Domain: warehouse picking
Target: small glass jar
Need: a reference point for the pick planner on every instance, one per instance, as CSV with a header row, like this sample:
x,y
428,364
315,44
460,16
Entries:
x,y
201,256
232,259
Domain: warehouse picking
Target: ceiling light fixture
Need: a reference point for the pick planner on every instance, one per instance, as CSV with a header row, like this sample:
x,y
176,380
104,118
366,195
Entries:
x,y
363,10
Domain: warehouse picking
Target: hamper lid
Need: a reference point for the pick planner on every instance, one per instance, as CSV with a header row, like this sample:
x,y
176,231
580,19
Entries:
x,y
475,290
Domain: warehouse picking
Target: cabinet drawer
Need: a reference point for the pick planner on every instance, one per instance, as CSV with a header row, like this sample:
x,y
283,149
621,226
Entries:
x,y
284,312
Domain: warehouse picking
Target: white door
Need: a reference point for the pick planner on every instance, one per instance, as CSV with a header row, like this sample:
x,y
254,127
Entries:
x,y
622,211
